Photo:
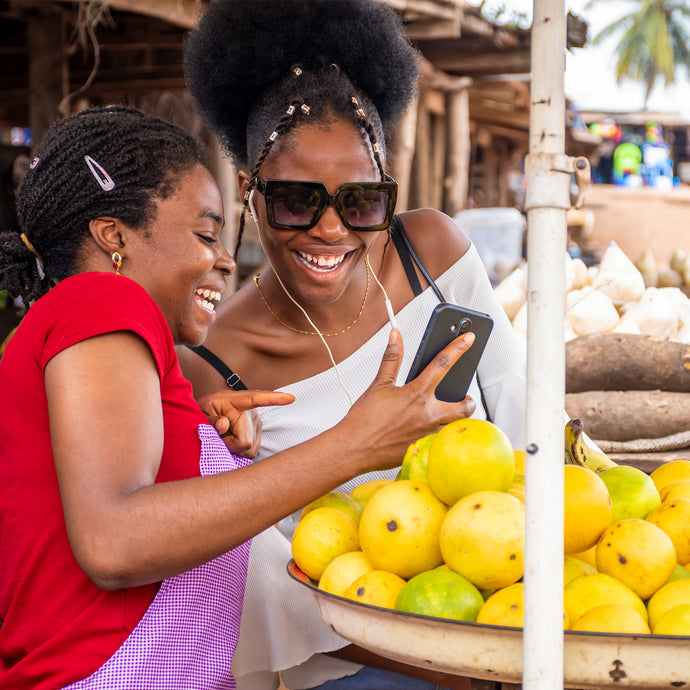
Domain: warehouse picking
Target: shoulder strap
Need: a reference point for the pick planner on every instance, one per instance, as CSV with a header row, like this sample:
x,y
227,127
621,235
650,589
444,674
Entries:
x,y
231,378
407,252
404,253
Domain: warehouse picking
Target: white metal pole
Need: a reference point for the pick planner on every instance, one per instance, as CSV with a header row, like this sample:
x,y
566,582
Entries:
x,y
547,199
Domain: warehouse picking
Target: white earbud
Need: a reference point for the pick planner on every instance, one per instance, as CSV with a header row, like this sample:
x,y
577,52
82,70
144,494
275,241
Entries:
x,y
389,307
252,210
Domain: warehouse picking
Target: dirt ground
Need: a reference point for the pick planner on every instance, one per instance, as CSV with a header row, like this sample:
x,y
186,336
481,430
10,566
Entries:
x,y
640,219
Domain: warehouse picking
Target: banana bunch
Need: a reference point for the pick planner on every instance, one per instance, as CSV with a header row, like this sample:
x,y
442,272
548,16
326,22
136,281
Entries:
x,y
577,452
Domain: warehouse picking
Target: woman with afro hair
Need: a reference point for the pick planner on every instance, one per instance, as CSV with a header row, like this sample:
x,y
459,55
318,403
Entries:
x,y
125,520
303,96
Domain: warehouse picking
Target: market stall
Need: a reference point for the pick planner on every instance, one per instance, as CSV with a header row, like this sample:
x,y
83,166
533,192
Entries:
x,y
539,656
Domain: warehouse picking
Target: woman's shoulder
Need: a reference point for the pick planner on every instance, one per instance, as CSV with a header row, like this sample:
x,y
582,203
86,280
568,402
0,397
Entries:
x,y
93,293
98,285
436,237
94,303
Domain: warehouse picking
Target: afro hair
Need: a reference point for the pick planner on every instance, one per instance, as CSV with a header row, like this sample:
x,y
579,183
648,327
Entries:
x,y
242,48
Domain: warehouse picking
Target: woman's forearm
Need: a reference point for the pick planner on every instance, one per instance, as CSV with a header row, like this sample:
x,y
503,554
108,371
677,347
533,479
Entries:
x,y
159,530
126,530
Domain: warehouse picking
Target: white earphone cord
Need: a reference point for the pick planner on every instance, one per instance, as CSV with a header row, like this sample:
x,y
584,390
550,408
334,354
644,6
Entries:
x,y
389,310
318,332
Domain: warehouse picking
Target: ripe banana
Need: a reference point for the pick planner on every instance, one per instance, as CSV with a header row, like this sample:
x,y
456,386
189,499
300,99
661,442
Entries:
x,y
579,453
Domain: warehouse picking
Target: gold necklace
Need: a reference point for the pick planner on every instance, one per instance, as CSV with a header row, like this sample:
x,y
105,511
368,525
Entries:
x,y
297,330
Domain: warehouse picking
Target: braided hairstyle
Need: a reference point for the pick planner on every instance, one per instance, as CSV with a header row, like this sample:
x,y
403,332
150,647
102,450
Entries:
x,y
142,155
257,69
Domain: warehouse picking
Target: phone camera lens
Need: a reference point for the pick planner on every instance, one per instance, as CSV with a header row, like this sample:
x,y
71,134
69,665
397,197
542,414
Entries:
x,y
465,324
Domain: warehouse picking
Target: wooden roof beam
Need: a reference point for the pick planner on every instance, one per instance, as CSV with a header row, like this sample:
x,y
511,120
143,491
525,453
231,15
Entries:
x,y
518,119
427,8
182,13
431,78
512,133
474,64
515,93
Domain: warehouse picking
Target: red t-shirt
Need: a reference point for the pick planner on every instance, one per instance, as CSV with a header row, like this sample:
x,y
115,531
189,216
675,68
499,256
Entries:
x,y
57,626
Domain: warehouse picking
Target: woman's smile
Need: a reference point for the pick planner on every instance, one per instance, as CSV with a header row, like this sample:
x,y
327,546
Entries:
x,y
321,264
205,298
321,268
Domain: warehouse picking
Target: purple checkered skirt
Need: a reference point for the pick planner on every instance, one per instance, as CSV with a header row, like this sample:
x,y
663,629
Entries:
x,y
187,637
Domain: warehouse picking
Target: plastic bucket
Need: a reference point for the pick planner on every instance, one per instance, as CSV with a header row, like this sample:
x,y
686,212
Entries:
x,y
497,235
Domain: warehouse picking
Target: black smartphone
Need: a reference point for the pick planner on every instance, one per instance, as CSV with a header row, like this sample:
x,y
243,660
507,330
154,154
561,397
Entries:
x,y
447,322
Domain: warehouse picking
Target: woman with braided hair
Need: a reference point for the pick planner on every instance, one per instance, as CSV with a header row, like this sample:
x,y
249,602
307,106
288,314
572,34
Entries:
x,y
125,520
303,95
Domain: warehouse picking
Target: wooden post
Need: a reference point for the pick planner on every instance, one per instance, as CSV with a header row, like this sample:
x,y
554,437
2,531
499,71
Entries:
x,y
458,164
490,182
421,191
435,109
46,70
439,148
401,153
503,165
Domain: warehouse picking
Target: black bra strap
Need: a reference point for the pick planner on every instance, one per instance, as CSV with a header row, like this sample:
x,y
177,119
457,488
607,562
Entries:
x,y
407,251
231,378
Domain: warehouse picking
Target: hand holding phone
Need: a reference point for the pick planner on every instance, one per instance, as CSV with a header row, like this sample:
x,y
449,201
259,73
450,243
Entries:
x,y
448,321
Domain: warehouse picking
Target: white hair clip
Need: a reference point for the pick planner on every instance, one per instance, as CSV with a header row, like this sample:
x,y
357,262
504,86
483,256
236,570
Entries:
x,y
39,268
98,171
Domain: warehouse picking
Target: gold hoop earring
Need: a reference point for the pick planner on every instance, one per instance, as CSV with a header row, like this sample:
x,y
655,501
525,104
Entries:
x,y
117,262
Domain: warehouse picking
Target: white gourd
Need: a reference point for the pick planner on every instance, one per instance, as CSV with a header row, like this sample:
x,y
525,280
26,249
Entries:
x,y
626,325
681,303
579,273
511,292
592,272
617,277
590,311
683,335
569,332
654,314
520,320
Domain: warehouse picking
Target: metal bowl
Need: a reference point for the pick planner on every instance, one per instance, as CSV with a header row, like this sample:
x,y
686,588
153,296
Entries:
x,y
494,652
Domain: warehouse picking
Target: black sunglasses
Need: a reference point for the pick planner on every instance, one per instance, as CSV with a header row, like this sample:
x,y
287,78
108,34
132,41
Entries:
x,y
295,205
